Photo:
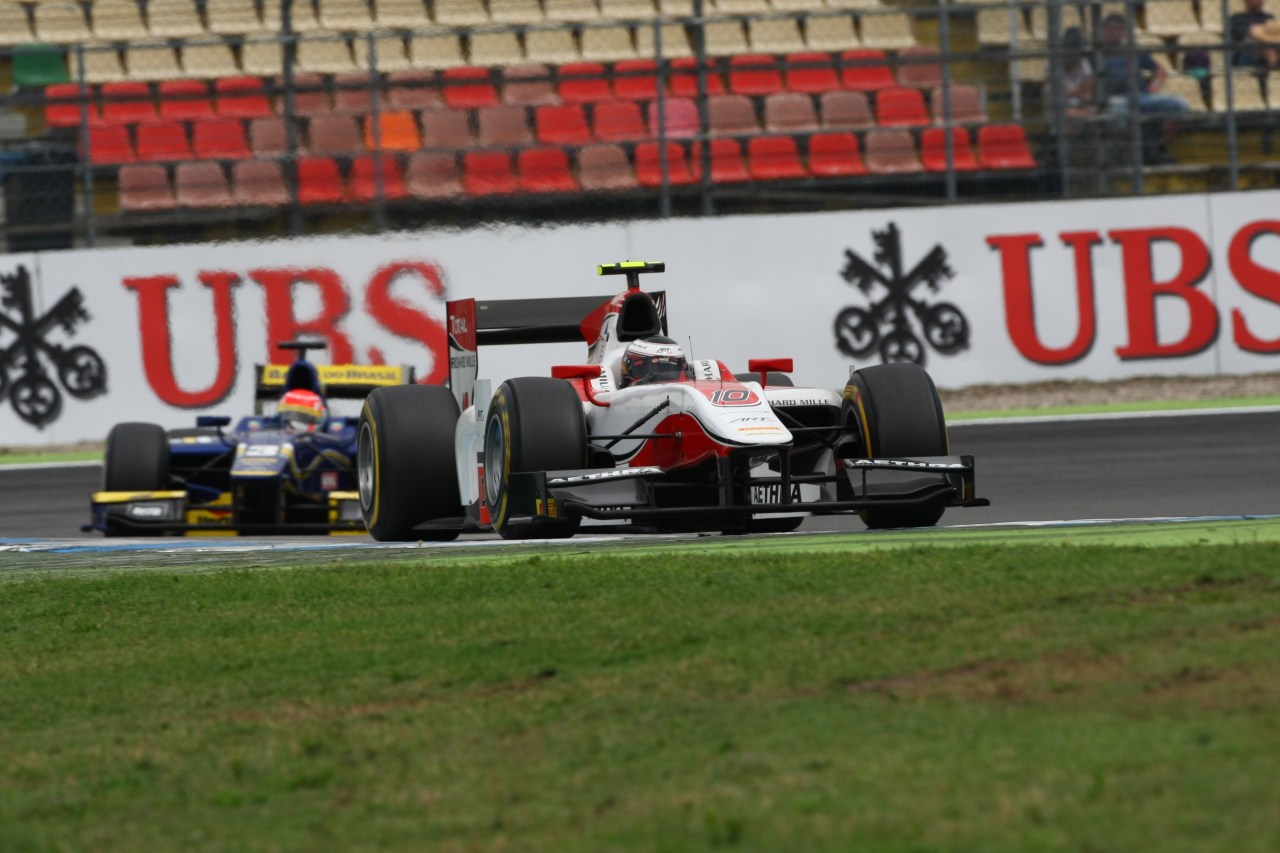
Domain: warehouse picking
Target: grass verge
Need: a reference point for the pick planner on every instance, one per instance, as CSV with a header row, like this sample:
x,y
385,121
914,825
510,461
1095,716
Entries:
x,y
991,697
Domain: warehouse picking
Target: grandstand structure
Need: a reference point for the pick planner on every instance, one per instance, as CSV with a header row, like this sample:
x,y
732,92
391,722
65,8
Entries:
x,y
142,120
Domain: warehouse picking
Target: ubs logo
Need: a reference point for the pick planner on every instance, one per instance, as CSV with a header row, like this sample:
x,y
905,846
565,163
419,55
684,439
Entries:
x,y
895,320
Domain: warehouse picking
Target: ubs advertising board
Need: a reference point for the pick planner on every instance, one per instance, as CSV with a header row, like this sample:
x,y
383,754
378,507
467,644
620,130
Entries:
x,y
1185,285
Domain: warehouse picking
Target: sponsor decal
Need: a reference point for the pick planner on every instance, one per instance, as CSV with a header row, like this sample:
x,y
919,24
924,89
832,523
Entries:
x,y
329,481
260,450
772,494
804,401
755,419
31,354
893,323
905,463
730,395
605,475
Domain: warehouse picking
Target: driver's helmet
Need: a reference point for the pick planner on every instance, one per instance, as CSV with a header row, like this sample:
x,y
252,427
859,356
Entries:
x,y
652,359
301,411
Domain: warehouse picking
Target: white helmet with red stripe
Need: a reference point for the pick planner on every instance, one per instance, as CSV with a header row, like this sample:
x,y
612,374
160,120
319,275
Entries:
x,y
652,359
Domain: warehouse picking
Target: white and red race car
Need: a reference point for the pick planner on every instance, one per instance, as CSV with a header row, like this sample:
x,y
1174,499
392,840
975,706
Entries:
x,y
708,450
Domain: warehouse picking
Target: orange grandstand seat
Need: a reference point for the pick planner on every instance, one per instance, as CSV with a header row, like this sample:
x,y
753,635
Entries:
x,y
365,171
1004,146
684,77
635,79
162,141
891,151
127,102
562,124
397,130
545,170
899,107
754,74
144,186
63,105
866,70
618,121
835,154
774,158
434,175
320,181
468,87
846,110
583,83
201,184
811,72
219,138
109,144
680,118
488,173
649,164
605,167
240,97
185,100
727,163
933,150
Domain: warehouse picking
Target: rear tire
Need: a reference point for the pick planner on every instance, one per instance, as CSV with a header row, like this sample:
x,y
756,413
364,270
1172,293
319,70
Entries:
x,y
535,424
406,464
896,411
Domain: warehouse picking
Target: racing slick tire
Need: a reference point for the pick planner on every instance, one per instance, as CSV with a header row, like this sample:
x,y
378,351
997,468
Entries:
x,y
896,410
776,380
136,460
405,463
535,424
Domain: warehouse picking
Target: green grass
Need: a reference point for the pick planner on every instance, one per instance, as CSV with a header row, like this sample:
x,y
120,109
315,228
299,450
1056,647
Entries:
x,y
29,458
976,697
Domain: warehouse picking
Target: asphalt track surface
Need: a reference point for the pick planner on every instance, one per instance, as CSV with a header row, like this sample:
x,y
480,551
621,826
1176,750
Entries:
x,y
1211,464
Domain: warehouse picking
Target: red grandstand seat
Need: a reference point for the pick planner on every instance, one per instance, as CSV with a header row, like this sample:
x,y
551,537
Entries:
x,y
434,175
310,95
727,163
898,107
891,151
127,102
62,105
966,104
240,97
790,112
605,167
488,173
618,121
635,79
110,144
268,137
413,89
729,115
505,124
684,77
162,141
320,181
1004,146
835,154
258,183
562,124
468,87
219,138
846,110
774,158
583,83
364,178
649,164
335,133
185,100
528,84
810,72
545,170
933,150
866,70
201,184
754,74
356,93
919,67
144,186
680,118
446,128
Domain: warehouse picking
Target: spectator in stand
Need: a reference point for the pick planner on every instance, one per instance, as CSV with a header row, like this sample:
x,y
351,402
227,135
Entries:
x,y
1077,76
1253,37
1119,55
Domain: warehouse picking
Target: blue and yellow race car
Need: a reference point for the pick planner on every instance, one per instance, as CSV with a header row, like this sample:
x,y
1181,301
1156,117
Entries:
x,y
288,468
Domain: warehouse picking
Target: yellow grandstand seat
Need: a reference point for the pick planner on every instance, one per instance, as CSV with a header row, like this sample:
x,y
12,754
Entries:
x,y
500,48
608,44
1001,27
152,60
15,27
173,19
571,10
302,16
460,12
741,7
209,59
831,33
61,23
627,9
325,53
886,31
435,50
411,14
1246,92
675,41
118,20
1188,88
262,57
725,38
101,63
775,35
516,11
1171,18
345,15
232,17
391,54
553,47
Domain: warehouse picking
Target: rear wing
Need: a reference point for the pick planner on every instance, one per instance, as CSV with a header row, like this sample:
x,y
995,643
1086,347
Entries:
x,y
547,320
336,381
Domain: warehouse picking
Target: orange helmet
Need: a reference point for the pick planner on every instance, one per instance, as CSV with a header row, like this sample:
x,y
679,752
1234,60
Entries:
x,y
302,411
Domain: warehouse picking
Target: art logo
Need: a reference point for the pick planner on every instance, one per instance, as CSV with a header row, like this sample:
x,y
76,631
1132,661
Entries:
x,y
895,321
27,355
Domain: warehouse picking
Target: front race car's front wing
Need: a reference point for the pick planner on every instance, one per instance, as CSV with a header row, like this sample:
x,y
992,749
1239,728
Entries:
x,y
171,511
632,494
